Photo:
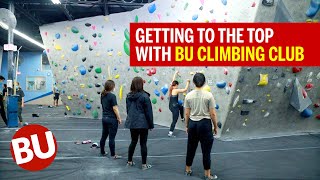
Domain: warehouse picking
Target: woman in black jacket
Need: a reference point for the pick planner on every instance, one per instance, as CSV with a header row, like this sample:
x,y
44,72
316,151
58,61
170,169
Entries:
x,y
139,120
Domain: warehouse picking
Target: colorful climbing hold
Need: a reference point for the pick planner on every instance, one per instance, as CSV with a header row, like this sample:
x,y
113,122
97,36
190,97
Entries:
x,y
87,24
195,17
135,69
57,36
69,97
74,30
117,76
263,80
99,35
224,2
186,6
88,106
136,19
94,35
121,92
98,70
306,113
95,114
207,88
152,8
164,89
154,101
156,81
221,84
126,47
127,35
180,102
157,93
68,108
57,47
217,106
82,70
75,47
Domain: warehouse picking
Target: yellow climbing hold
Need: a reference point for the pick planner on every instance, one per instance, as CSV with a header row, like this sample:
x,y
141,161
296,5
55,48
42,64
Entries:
x,y
62,56
68,108
263,80
246,120
113,34
69,97
119,53
268,95
110,53
57,47
262,110
184,94
120,92
207,88
117,76
192,73
82,85
98,54
269,100
239,106
106,19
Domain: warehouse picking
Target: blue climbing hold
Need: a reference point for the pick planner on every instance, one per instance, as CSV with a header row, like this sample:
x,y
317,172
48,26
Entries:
x,y
81,96
221,84
44,52
195,17
306,113
75,47
65,68
217,106
63,91
82,70
156,81
224,2
63,82
157,93
180,102
88,106
152,8
164,90
57,36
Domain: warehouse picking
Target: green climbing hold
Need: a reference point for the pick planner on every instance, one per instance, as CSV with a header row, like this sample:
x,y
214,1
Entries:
x,y
149,81
91,100
74,29
55,64
135,70
81,37
136,19
99,35
154,101
126,47
127,35
95,114
78,112
71,79
98,70
90,86
142,69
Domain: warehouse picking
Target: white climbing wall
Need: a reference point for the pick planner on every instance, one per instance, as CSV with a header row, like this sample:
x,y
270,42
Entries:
x,y
84,53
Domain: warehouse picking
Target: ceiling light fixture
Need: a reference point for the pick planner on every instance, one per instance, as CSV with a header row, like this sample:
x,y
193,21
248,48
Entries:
x,y
6,27
56,1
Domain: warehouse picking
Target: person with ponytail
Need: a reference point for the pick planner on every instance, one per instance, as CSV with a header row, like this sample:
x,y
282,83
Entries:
x,y
110,119
174,105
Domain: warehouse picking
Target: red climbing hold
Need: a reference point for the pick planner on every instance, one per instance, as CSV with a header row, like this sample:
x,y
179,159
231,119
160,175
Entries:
x,y
309,86
318,116
144,81
149,73
230,84
160,110
296,69
153,70
316,105
304,93
162,98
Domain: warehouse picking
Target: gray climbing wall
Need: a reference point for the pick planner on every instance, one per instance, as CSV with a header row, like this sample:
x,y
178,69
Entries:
x,y
271,99
85,46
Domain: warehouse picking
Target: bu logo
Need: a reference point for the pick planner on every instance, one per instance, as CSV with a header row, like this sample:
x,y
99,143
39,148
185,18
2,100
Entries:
x,y
33,147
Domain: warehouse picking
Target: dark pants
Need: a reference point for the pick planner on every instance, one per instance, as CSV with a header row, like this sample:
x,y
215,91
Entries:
x,y
200,131
110,127
3,112
175,115
135,133
20,111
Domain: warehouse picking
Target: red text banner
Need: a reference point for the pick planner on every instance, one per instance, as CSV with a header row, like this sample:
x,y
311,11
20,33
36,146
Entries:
x,y
224,44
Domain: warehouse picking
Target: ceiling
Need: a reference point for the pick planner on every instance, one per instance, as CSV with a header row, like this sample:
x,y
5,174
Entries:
x,y
31,14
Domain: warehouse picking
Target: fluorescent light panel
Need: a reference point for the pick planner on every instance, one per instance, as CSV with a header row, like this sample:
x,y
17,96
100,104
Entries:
x,y
5,26
56,1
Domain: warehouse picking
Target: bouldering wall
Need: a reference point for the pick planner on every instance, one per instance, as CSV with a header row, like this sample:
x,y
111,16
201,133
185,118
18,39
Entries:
x,y
86,52
272,113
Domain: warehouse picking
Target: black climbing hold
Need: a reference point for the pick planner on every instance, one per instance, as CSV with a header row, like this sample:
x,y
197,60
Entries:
x,y
98,107
87,99
249,69
89,70
95,76
65,113
87,24
74,113
97,85
90,48
219,125
99,92
94,35
283,75
244,113
86,40
84,59
241,79
91,66
248,101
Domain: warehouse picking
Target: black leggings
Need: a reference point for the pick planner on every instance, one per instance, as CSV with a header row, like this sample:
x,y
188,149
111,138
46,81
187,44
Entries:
x,y
200,131
110,127
3,112
175,115
135,133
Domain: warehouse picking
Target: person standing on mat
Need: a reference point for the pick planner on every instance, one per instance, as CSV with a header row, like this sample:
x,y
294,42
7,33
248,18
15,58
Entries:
x,y
2,109
139,120
174,105
56,94
110,119
20,93
201,125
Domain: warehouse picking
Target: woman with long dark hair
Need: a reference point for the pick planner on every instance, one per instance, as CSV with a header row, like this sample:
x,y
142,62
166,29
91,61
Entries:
x,y
174,105
139,120
110,119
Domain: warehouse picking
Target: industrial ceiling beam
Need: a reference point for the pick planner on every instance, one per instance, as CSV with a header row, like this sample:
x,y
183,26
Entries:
x,y
29,15
66,12
106,8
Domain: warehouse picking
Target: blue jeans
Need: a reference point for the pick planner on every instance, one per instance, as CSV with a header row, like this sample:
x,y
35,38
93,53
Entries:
x,y
110,128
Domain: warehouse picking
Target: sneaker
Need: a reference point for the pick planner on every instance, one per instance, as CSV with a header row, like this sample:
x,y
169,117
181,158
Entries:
x,y
130,164
182,119
146,166
211,177
171,135
104,154
188,173
116,157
